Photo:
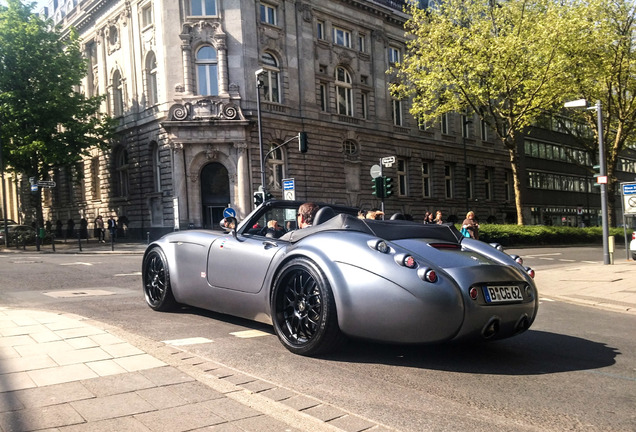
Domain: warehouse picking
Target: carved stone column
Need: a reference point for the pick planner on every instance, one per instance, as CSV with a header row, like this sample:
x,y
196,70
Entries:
x,y
186,55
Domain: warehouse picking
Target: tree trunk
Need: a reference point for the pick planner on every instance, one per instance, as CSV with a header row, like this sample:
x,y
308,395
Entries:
x,y
514,161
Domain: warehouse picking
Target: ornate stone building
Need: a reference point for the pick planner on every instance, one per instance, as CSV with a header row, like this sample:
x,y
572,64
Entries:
x,y
180,76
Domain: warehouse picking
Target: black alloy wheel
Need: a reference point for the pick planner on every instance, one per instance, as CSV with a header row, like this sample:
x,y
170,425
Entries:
x,y
303,309
156,280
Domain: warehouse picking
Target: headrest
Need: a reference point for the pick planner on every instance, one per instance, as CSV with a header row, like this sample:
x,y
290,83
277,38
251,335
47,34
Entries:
x,y
324,214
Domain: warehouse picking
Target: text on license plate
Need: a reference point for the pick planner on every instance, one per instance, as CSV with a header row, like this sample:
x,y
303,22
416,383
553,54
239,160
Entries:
x,y
502,293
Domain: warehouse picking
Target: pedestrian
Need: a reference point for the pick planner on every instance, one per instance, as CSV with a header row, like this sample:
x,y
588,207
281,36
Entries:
x,y
70,228
112,227
471,225
428,218
99,228
438,217
84,228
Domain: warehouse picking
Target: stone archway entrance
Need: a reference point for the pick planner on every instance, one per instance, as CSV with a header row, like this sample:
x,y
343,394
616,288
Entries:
x,y
215,193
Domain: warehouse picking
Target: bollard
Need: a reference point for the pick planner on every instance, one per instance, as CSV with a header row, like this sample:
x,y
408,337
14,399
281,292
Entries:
x,y
79,241
147,237
112,242
53,241
610,246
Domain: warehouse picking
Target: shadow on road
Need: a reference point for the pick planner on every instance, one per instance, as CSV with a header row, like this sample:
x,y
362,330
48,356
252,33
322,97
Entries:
x,y
533,353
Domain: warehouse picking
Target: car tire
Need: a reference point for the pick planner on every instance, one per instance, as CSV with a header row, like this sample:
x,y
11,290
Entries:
x,y
156,281
304,310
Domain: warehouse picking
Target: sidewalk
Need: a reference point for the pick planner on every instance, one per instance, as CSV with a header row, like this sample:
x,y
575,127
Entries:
x,y
611,286
61,372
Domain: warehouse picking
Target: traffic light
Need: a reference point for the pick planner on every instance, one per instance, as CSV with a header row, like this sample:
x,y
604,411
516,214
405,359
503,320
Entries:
x,y
302,142
378,187
388,186
258,198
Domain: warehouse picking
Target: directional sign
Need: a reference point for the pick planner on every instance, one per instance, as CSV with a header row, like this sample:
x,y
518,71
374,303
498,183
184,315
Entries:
x,y
289,189
46,184
388,161
229,212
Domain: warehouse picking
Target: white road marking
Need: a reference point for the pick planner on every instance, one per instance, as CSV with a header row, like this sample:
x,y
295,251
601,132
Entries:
x,y
249,334
77,263
187,341
129,274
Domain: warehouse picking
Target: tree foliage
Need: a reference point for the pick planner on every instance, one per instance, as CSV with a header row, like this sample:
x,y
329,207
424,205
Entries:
x,y
506,61
45,122
606,73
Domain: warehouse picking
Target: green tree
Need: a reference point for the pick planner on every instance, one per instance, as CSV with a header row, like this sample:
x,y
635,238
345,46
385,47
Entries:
x,y
45,122
507,62
606,73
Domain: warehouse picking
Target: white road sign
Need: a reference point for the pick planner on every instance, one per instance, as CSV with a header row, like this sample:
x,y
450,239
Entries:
x,y
629,198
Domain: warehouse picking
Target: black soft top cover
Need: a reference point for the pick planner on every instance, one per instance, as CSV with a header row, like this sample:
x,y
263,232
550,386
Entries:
x,y
387,230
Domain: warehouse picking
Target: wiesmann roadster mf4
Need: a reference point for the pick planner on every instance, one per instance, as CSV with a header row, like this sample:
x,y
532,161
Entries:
x,y
392,281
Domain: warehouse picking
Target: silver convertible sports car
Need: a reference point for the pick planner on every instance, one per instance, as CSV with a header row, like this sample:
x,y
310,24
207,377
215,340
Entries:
x,y
392,281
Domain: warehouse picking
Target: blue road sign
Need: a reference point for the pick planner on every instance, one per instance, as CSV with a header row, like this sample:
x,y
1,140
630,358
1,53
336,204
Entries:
x,y
629,188
288,184
229,212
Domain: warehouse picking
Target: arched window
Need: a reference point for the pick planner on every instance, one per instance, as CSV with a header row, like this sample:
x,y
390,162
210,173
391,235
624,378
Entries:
x,y
344,92
207,71
270,78
275,169
121,169
156,167
118,94
151,78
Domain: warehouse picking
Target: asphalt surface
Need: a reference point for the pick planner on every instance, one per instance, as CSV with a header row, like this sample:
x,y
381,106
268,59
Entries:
x,y
63,372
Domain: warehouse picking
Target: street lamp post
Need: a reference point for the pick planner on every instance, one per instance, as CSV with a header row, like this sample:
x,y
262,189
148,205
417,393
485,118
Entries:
x,y
259,84
582,103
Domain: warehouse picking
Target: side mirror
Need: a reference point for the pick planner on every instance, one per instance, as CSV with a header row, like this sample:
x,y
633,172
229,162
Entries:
x,y
229,224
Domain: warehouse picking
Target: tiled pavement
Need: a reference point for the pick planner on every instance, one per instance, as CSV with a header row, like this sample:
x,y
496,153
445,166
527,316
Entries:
x,y
61,372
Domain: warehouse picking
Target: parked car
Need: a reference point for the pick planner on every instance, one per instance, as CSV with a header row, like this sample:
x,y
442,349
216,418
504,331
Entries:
x,y
392,281
632,246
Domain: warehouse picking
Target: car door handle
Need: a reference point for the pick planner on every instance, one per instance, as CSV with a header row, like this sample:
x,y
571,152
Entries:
x,y
269,244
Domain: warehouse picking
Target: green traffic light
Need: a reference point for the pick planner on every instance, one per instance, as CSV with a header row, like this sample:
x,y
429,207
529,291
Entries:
x,y
388,186
378,187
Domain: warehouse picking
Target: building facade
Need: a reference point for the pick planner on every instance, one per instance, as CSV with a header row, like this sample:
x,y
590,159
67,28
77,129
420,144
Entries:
x,y
187,80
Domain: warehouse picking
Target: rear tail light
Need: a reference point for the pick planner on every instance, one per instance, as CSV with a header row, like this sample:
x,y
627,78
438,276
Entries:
x,y
427,275
405,260
379,245
517,259
497,246
474,293
530,272
634,235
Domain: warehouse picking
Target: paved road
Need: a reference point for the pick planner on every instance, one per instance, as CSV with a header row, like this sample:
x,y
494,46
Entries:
x,y
574,370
